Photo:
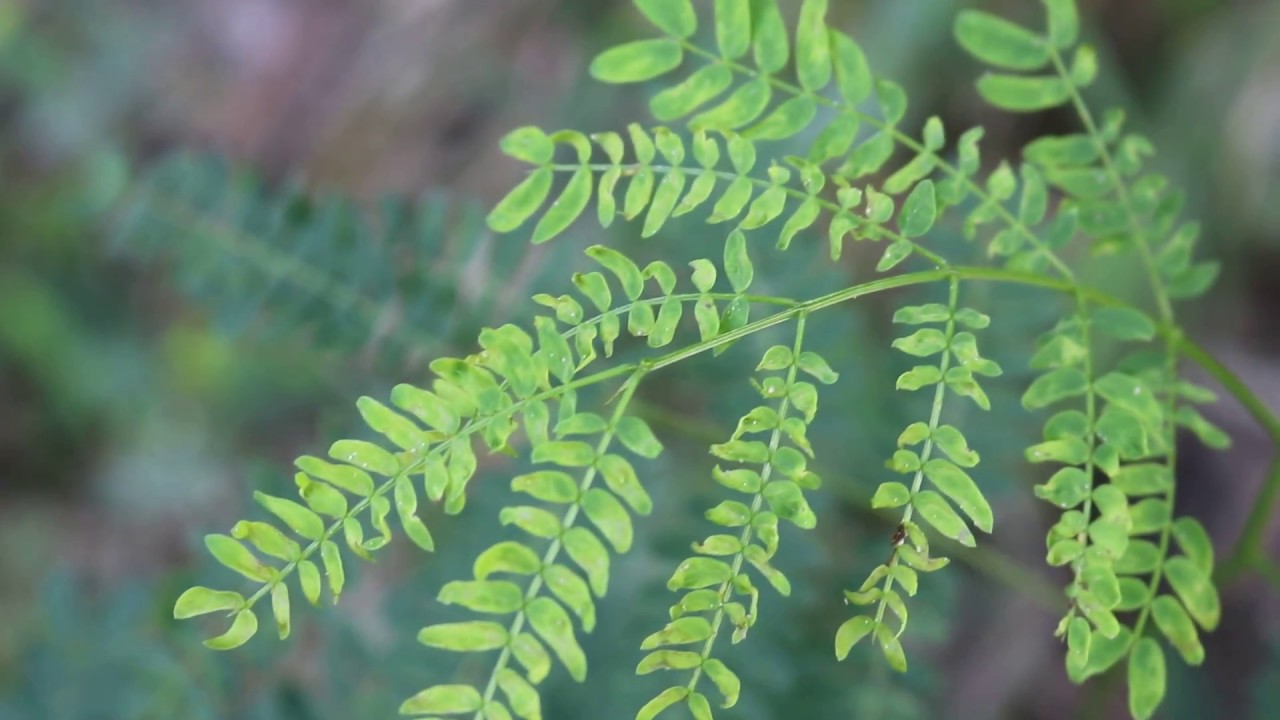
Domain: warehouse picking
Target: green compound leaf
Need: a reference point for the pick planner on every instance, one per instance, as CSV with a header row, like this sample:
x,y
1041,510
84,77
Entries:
x,y
1064,23
507,557
664,700
699,572
950,441
785,121
700,88
813,48
1146,678
529,144
892,648
668,660
443,700
497,597
853,74
522,202
741,107
962,490
202,601
787,501
699,706
682,631
243,627
1177,627
733,28
737,263
637,61
1067,488
922,343
566,208
520,693
1018,93
573,591
726,681
637,437
1194,542
1195,589
609,517
998,42
552,624
938,513
770,45
891,495
1053,387
894,254
919,211
851,632
1123,324
531,653
590,554
473,636
235,556
673,17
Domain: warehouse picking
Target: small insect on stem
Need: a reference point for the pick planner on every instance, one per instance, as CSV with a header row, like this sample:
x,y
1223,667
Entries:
x,y
899,536
895,542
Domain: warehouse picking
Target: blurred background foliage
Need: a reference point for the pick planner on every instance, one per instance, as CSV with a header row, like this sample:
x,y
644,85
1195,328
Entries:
x,y
223,220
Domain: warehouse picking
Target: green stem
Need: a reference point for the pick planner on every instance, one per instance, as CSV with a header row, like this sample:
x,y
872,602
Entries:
x,y
553,550
1090,402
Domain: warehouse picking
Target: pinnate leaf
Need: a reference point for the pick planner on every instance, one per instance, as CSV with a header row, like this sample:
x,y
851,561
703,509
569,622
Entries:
x,y
1018,93
674,17
637,61
998,42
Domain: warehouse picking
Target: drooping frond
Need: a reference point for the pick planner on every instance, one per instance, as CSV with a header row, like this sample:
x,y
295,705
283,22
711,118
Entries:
x,y
773,474
657,177
958,368
1116,535
830,71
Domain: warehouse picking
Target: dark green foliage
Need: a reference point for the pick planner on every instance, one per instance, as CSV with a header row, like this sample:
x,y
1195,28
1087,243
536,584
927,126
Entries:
x,y
284,261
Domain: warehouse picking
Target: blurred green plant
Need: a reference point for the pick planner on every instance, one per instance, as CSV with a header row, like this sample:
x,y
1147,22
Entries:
x,y
1137,572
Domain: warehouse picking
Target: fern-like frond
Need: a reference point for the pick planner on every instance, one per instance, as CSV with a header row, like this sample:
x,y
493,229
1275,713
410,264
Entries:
x,y
659,188
1113,534
713,581
831,71
957,371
